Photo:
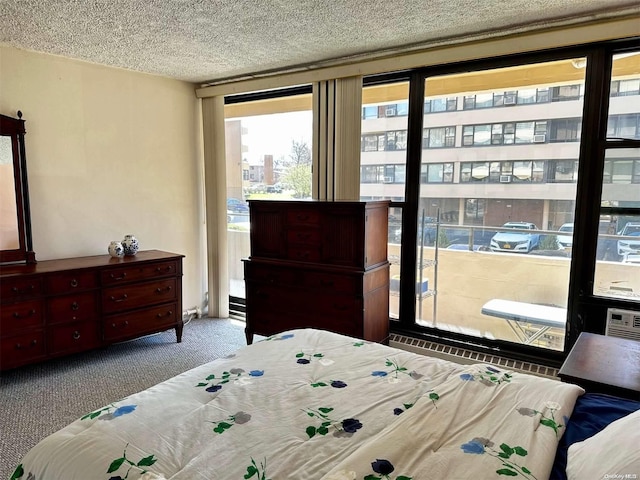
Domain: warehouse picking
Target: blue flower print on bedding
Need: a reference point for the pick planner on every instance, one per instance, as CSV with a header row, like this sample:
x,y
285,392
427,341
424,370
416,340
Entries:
x,y
305,358
331,383
343,428
393,373
215,383
506,455
489,376
286,336
383,469
106,413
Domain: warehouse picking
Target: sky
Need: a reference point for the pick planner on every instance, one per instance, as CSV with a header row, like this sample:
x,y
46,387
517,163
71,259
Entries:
x,y
274,134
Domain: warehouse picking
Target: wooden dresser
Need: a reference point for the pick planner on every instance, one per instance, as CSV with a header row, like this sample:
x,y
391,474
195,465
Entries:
x,y
318,264
59,307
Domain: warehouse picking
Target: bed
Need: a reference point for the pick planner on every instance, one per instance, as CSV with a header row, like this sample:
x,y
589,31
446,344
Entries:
x,y
309,404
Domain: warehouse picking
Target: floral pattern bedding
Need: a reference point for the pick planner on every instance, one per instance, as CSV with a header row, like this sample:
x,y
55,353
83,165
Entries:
x,y
308,404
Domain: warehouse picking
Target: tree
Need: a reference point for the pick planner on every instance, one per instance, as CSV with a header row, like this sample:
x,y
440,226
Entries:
x,y
298,178
300,153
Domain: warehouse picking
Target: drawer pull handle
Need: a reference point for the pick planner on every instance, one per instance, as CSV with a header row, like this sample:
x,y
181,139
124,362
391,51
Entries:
x,y
168,314
121,277
74,283
159,290
26,289
30,313
167,268
121,299
33,344
75,306
76,335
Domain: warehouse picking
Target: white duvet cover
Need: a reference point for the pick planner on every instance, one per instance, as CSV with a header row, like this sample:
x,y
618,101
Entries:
x,y
308,404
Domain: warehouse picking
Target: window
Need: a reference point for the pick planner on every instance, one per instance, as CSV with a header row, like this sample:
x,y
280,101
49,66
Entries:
x,y
565,130
268,155
565,92
624,126
439,137
436,173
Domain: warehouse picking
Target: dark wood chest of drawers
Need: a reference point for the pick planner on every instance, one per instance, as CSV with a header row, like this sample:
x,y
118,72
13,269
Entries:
x,y
318,264
59,307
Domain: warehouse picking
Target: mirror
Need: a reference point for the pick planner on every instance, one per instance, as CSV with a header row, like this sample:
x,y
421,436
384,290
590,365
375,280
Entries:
x,y
15,218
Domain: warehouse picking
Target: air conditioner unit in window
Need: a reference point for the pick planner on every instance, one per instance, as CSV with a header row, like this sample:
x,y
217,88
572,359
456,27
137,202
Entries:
x,y
387,180
541,138
505,178
623,324
390,112
509,100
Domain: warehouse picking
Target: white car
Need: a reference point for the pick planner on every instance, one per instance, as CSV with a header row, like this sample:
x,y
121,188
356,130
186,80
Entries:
x,y
629,246
566,240
519,241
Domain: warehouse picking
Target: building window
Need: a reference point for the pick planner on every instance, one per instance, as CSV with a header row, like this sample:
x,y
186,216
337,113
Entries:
x,y
438,137
565,92
436,173
566,130
441,105
624,126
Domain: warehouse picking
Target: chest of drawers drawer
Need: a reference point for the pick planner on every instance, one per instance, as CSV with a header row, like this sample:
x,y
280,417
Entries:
x,y
73,337
15,288
71,308
121,275
23,348
126,297
20,316
62,283
132,324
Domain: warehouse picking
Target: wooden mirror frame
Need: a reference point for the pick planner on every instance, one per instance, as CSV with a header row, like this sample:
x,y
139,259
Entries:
x,y
14,128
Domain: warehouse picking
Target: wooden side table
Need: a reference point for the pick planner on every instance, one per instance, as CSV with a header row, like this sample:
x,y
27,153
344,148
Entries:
x,y
604,364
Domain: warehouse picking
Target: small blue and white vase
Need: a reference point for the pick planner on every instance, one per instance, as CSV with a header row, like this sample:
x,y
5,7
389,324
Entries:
x,y
115,249
130,244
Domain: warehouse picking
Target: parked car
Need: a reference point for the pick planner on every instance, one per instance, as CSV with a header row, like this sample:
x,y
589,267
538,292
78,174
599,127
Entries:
x,y
522,242
566,240
629,246
237,206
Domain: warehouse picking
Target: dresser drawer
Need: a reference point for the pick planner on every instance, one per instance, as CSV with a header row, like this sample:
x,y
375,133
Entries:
x,y
133,273
290,300
304,253
126,297
68,282
20,349
270,323
14,288
321,282
133,324
307,236
71,308
272,275
20,316
302,215
73,337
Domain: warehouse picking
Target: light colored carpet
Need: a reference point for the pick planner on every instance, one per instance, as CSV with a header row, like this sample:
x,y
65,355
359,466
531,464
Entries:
x,y
40,399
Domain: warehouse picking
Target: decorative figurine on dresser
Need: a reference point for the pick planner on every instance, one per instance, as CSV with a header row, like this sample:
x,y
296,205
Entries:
x,y
320,264
58,307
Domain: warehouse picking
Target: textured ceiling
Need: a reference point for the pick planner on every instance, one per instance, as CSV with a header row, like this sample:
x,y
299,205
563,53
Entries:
x,y
203,40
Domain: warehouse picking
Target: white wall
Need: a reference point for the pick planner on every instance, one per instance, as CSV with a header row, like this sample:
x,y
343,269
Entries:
x,y
109,152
